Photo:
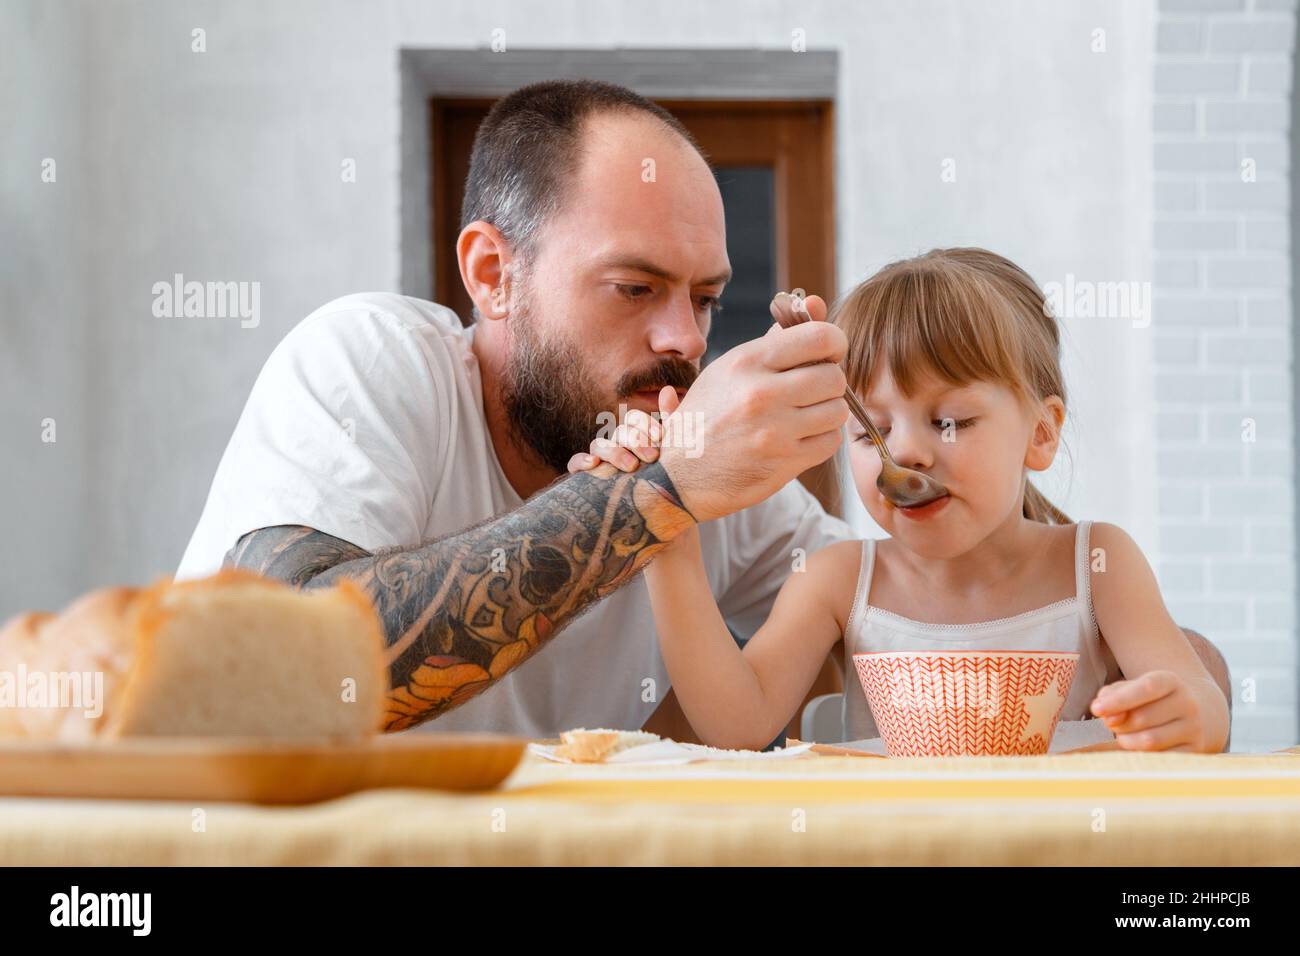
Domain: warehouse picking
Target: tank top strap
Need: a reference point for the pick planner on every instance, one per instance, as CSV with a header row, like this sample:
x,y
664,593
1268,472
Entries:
x,y
1083,570
862,594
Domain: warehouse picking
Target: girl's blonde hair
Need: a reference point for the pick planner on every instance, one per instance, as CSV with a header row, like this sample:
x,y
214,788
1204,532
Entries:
x,y
963,315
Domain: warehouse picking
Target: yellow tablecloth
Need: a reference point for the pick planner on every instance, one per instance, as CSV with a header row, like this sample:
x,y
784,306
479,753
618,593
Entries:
x,y
1101,808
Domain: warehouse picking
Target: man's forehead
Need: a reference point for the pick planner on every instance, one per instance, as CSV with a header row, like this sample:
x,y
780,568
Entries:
x,y
643,196
636,262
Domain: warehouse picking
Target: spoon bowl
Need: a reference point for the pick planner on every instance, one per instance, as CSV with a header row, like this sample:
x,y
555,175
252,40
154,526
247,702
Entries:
x,y
902,487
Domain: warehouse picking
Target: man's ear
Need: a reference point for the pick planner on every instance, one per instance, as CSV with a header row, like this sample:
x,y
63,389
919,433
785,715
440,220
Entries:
x,y
1046,436
484,257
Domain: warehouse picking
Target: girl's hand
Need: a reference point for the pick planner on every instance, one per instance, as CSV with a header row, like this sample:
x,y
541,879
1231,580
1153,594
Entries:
x,y
1157,711
636,440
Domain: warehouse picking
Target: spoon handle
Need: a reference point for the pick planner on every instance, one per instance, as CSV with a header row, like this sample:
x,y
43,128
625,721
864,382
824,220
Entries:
x,y
873,433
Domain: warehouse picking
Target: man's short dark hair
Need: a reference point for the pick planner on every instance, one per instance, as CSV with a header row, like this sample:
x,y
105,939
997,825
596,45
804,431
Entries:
x,y
527,150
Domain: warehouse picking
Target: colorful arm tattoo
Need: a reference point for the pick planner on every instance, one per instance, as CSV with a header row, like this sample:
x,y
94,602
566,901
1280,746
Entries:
x,y
461,612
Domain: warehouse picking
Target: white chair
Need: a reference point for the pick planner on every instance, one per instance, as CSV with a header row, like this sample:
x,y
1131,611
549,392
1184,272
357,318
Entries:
x,y
823,720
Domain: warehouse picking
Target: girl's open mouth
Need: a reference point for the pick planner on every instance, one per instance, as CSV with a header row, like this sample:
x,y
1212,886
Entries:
x,y
927,510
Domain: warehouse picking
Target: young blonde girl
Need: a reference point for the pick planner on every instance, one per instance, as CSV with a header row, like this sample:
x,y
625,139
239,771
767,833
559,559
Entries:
x,y
957,361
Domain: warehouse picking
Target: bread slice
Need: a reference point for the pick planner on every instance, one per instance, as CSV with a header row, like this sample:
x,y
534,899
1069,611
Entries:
x,y
90,643
19,640
240,655
233,655
594,746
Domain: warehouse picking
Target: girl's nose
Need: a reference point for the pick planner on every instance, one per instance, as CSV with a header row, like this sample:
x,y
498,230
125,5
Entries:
x,y
911,446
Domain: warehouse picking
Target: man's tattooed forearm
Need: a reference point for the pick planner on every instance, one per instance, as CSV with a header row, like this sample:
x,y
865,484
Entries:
x,y
461,612
291,553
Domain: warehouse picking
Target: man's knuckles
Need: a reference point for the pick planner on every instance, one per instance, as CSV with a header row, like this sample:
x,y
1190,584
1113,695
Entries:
x,y
809,342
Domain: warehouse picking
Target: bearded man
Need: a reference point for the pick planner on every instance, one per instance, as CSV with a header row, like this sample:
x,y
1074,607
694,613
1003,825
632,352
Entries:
x,y
385,442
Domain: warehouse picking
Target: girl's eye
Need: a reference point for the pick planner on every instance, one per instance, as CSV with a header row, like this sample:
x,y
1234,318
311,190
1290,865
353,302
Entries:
x,y
959,423
939,423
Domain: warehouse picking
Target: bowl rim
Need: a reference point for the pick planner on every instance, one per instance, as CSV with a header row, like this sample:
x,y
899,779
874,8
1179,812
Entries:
x,y
984,652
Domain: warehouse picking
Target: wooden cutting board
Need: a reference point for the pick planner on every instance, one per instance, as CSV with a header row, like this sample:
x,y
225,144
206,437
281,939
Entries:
x,y
255,771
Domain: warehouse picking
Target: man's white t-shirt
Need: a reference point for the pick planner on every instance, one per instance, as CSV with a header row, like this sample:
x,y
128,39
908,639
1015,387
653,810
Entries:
x,y
367,423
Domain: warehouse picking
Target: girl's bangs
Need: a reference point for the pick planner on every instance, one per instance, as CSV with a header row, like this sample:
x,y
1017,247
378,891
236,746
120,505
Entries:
x,y
928,321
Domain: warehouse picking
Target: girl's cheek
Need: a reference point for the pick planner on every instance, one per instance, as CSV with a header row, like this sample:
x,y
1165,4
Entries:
x,y
865,465
986,472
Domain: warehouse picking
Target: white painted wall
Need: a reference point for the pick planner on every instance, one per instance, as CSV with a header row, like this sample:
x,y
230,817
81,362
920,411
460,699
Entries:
x,y
45,352
1224,344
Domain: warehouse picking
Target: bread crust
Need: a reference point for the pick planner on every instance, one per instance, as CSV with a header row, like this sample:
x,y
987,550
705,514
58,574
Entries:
x,y
596,746
115,631
19,639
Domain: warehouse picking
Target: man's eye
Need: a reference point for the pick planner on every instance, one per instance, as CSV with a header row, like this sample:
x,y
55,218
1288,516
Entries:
x,y
710,303
634,292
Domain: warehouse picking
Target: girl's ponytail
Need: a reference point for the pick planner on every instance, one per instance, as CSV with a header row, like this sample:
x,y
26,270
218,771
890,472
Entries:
x,y
1038,508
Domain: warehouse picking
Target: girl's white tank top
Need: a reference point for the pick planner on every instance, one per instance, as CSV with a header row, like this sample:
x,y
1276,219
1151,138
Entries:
x,y
1066,625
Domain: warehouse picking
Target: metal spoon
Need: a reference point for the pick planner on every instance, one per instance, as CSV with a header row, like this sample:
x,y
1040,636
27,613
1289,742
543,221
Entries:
x,y
905,487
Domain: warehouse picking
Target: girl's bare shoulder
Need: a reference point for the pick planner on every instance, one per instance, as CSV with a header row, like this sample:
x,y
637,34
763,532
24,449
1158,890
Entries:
x,y
832,573
840,556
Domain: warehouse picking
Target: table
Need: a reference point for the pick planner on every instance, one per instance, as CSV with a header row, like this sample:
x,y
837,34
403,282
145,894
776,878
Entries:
x,y
1109,808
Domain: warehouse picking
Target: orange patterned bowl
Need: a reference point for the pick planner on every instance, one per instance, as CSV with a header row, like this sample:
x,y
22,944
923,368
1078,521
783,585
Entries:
x,y
956,703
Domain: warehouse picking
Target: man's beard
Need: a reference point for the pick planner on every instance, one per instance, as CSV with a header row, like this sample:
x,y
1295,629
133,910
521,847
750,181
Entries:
x,y
551,397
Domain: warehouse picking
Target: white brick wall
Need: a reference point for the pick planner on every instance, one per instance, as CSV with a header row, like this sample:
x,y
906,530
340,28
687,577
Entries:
x,y
1223,350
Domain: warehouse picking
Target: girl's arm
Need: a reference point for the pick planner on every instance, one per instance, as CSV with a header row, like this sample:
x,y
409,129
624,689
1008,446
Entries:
x,y
1167,701
738,699
732,699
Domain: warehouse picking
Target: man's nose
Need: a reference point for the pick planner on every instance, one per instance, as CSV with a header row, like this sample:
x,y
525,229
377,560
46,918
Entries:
x,y
676,331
